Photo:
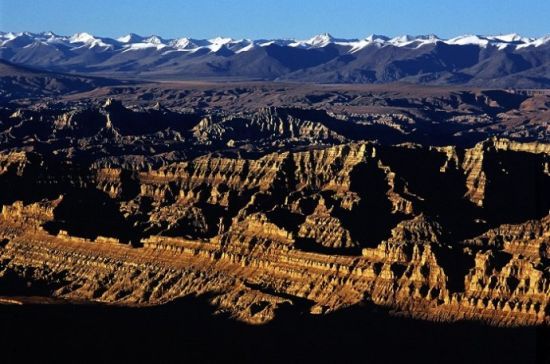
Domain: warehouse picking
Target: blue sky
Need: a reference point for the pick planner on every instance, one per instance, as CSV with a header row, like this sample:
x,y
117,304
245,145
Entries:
x,y
277,18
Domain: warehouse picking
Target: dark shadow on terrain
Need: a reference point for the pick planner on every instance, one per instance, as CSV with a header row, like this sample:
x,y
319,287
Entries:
x,y
372,219
128,122
311,245
441,194
129,185
456,265
30,182
187,331
25,283
517,188
88,213
504,99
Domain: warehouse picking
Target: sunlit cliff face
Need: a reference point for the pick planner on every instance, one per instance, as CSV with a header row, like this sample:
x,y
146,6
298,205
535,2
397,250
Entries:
x,y
276,207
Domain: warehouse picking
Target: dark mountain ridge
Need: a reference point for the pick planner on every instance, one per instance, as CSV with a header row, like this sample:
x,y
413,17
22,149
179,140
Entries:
x,y
508,61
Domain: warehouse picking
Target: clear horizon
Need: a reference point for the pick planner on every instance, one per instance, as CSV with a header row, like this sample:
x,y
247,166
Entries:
x,y
281,19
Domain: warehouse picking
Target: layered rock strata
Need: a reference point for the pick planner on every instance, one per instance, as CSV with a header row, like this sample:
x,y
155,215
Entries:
x,y
439,233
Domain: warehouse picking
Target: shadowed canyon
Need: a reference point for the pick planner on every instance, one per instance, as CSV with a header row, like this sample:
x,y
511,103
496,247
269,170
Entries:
x,y
251,208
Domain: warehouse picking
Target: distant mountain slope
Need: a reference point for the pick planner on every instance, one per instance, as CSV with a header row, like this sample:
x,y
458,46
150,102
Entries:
x,y
18,82
485,61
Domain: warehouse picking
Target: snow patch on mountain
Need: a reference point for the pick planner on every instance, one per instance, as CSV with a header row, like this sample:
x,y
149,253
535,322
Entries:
x,y
136,42
88,40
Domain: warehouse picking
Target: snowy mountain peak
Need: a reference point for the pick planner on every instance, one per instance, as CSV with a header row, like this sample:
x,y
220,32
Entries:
x,y
322,58
188,44
82,38
377,38
153,39
402,39
130,38
135,42
510,38
428,37
50,34
321,40
182,43
413,41
469,39
221,40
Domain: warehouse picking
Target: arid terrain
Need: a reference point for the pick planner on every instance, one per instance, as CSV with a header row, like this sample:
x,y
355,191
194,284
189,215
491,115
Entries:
x,y
425,209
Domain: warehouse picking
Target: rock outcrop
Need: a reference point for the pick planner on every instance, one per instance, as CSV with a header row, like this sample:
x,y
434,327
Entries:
x,y
111,206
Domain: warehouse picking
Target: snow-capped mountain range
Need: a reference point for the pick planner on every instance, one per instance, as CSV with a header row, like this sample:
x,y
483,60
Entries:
x,y
473,59
134,42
